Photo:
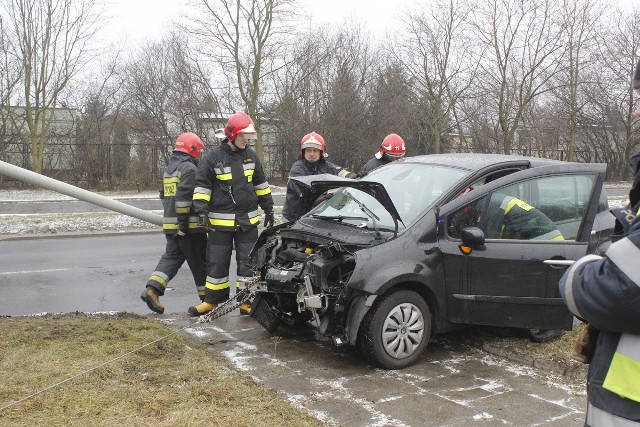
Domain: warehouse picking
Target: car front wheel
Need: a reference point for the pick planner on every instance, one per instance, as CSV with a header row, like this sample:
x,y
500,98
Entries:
x,y
396,330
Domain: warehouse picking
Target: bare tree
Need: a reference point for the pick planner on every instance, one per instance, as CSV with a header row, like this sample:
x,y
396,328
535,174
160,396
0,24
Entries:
x,y
247,37
438,65
167,93
51,39
523,40
298,93
9,77
391,108
611,104
580,29
344,81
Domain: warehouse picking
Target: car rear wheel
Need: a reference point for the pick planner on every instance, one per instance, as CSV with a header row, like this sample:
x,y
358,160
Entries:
x,y
396,330
544,335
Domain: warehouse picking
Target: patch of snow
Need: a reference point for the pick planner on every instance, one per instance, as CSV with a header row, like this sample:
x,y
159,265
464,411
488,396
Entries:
x,y
483,416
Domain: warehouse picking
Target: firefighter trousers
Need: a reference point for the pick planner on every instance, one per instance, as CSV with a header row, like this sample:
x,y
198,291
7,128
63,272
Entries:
x,y
191,248
220,246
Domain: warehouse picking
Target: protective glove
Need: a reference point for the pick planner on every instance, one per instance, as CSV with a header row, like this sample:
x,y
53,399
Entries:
x,y
183,230
203,221
269,219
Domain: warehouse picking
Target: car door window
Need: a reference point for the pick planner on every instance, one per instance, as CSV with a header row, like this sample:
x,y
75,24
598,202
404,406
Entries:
x,y
468,216
547,208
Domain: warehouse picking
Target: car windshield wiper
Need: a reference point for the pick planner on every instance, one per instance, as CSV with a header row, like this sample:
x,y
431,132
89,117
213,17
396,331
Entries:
x,y
369,212
339,217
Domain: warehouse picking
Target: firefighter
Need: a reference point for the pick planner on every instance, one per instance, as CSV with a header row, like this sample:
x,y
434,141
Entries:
x,y
230,184
311,162
605,291
512,218
392,148
185,241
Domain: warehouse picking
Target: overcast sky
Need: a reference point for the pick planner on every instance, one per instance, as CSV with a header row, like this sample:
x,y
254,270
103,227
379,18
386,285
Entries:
x,y
146,19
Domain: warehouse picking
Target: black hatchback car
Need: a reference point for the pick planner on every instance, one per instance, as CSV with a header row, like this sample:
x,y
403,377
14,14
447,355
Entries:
x,y
428,244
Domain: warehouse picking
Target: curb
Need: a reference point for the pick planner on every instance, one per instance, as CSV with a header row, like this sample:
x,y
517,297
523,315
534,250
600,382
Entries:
x,y
571,370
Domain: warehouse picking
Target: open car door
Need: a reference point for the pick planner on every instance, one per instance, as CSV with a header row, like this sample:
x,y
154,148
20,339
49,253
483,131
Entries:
x,y
529,227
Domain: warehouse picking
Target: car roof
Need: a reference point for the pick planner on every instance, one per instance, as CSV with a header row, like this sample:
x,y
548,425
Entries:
x,y
476,161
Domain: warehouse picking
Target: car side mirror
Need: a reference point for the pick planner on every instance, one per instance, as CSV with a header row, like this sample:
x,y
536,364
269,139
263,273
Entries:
x,y
472,238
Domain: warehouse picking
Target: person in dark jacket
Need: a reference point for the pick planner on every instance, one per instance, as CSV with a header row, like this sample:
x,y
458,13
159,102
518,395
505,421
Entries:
x,y
185,241
230,184
392,148
311,162
605,291
512,218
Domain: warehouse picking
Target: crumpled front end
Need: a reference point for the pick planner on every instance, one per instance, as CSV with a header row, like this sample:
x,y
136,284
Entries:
x,y
303,279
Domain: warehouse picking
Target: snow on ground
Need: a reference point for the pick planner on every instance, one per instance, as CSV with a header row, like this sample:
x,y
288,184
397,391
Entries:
x,y
12,224
108,221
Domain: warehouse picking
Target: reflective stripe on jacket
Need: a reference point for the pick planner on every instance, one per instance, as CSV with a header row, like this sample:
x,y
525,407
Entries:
x,y
605,291
516,219
623,376
177,187
229,187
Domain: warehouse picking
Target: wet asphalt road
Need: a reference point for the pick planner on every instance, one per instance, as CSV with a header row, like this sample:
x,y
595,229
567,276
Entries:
x,y
455,384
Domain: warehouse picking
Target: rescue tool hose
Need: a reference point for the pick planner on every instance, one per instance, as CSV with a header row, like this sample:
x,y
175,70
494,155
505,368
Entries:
x,y
70,190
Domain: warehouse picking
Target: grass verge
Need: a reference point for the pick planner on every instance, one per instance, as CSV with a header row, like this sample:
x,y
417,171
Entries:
x,y
173,382
554,355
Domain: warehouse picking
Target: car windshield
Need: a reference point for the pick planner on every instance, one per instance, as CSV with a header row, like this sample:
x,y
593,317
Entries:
x,y
413,187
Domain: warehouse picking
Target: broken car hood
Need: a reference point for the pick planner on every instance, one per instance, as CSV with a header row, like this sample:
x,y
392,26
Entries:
x,y
314,185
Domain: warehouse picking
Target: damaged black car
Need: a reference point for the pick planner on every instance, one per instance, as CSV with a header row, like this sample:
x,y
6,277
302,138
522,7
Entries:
x,y
428,244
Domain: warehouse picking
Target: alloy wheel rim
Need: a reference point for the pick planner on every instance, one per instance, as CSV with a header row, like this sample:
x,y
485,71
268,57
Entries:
x,y
403,331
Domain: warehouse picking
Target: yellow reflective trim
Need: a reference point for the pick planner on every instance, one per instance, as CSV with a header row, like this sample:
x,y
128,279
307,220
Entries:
x,y
169,189
224,177
200,196
182,210
172,179
159,280
254,220
263,192
517,202
560,237
623,377
169,226
223,222
216,286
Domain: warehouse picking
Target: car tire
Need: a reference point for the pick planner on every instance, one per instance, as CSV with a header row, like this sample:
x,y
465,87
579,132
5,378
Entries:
x,y
544,335
406,318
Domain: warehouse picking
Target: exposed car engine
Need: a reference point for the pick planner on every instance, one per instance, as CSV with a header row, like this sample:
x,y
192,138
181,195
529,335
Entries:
x,y
303,280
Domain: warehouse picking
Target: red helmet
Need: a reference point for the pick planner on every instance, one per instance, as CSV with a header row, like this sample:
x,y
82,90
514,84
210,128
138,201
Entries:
x,y
189,143
312,140
393,146
239,123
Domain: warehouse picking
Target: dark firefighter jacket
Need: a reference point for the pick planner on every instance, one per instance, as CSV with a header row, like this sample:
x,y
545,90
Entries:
x,y
293,207
515,219
374,163
177,188
605,291
229,186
